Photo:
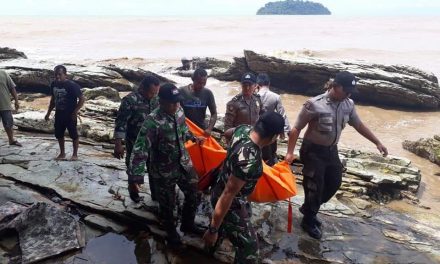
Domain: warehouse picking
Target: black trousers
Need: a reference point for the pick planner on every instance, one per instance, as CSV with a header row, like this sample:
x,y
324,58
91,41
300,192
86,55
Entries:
x,y
322,175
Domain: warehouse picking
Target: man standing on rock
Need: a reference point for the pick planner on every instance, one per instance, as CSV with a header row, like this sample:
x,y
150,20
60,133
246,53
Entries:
x,y
134,109
67,99
326,115
160,146
239,175
245,108
7,88
271,103
196,98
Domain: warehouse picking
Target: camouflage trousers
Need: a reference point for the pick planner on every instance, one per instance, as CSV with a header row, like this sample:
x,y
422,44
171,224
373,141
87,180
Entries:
x,y
237,227
187,182
138,179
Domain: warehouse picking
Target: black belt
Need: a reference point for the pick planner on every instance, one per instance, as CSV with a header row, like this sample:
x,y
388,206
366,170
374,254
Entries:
x,y
316,147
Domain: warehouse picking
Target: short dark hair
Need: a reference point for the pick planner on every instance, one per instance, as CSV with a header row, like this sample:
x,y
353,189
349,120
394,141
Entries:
x,y
269,124
148,81
58,67
263,79
199,73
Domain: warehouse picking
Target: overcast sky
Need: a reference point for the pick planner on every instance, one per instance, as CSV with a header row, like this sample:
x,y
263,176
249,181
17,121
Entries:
x,y
205,7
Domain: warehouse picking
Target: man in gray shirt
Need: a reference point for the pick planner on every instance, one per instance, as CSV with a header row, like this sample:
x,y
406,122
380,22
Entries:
x,y
271,102
196,98
7,88
326,115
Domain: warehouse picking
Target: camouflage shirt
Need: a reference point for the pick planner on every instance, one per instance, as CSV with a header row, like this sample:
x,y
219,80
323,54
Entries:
x,y
240,112
161,140
132,113
243,160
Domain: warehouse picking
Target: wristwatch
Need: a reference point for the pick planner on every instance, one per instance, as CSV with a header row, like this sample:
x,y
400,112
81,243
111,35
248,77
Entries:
x,y
212,229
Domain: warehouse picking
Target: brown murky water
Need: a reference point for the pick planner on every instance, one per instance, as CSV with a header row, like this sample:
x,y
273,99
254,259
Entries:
x,y
391,126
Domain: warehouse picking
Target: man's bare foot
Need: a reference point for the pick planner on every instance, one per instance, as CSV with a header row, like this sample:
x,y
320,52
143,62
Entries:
x,y
74,158
15,143
61,157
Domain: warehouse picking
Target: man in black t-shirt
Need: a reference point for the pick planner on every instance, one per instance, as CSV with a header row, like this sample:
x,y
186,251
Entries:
x,y
67,99
196,98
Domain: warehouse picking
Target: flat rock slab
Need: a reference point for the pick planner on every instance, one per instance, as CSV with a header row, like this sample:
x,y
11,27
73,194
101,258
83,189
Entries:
x,y
98,181
45,231
104,224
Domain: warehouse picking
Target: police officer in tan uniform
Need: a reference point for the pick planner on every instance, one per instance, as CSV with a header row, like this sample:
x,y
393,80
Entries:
x,y
245,108
271,103
326,115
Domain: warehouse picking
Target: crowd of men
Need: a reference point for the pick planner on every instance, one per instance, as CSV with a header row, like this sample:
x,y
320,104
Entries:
x,y
151,125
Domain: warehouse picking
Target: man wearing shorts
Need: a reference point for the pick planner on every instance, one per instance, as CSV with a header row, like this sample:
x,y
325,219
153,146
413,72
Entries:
x,y
7,88
67,99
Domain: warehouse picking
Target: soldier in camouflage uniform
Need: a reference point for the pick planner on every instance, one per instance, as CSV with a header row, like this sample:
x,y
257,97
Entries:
x,y
239,175
246,107
135,107
162,140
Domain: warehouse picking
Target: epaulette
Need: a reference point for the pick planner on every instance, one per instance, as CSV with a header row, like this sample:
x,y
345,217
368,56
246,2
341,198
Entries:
x,y
236,98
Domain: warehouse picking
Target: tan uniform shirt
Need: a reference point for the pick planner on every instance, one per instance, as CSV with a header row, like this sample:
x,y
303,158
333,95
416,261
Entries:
x,y
272,103
326,119
240,112
6,85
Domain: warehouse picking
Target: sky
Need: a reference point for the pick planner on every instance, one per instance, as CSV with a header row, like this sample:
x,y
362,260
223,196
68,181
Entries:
x,y
204,7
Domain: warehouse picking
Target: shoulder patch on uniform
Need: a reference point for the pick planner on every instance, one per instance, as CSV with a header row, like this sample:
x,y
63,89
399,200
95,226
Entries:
x,y
236,98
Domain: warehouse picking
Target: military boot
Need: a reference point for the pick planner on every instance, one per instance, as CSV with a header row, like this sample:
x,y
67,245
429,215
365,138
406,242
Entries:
x,y
310,226
314,217
188,225
133,191
173,238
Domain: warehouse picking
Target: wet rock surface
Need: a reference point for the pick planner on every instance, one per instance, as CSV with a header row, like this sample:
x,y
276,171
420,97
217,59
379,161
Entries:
x,y
45,231
355,230
8,54
428,148
367,174
36,76
101,93
394,85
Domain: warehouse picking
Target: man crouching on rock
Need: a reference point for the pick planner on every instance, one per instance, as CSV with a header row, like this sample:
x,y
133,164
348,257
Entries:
x,y
161,142
67,99
239,175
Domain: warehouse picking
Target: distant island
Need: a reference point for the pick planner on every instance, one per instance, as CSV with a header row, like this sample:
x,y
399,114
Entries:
x,y
293,7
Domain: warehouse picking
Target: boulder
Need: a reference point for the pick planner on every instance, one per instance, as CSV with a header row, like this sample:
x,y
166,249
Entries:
x,y
36,79
9,54
207,63
394,85
428,148
45,231
96,124
104,92
36,76
136,75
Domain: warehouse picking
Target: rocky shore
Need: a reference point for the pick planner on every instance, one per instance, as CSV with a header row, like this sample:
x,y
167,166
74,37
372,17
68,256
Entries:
x,y
358,227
